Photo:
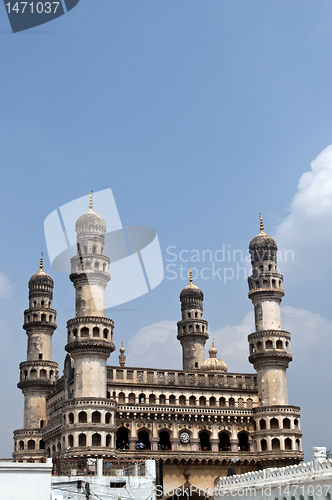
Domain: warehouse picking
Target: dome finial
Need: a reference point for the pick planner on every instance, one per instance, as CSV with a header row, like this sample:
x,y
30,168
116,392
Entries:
x,y
41,262
261,225
190,276
90,202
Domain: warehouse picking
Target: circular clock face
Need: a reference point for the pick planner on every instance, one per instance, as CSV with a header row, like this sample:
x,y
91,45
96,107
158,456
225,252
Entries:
x,y
184,437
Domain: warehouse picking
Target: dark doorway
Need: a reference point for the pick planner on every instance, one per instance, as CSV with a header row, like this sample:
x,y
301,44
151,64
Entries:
x,y
143,438
122,439
204,441
224,444
164,441
243,441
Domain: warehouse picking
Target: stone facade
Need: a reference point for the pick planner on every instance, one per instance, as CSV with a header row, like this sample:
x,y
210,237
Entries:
x,y
199,421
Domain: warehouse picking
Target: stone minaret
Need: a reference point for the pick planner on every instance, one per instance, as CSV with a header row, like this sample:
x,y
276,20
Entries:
x,y
269,345
192,329
38,374
90,334
270,353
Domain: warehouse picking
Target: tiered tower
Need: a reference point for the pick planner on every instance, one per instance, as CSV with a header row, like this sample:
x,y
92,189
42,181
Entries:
x,y
38,374
89,415
277,423
192,329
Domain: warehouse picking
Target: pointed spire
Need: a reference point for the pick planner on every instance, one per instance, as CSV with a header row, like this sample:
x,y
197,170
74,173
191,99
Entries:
x,y
90,202
190,276
41,262
261,225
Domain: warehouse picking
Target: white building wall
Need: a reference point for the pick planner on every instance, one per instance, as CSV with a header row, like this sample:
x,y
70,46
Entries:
x,y
306,481
137,487
25,481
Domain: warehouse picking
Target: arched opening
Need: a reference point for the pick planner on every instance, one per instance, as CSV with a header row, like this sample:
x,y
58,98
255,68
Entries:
x,y
222,402
204,441
268,344
108,395
259,346
51,374
75,333
96,439
43,317
288,444
265,284
141,398
202,401
162,399
274,424
85,249
108,440
95,331
84,332
122,442
82,440
50,318
33,374
70,440
152,399
96,417
108,418
94,249
43,374
197,328
121,397
82,417
192,400
104,267
172,400
275,444
243,441
231,402
71,418
41,424
263,445
279,344
297,444
286,423
87,266
105,333
59,447
182,400
296,423
212,401
224,443
189,315
131,398
53,449
96,265
164,441
262,424
35,317
143,439
21,445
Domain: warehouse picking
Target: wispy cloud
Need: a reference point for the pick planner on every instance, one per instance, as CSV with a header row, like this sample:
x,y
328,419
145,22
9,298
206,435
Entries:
x,y
5,287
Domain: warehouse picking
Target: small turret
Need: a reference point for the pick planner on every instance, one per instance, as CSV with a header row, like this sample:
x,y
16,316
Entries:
x,y
122,357
192,329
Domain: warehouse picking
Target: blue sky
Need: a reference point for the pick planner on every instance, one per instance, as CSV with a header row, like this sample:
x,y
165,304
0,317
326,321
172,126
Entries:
x,y
198,115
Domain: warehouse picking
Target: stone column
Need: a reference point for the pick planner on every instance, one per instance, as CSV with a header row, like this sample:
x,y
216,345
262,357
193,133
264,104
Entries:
x,y
132,441
234,444
154,443
251,444
214,444
194,444
174,443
